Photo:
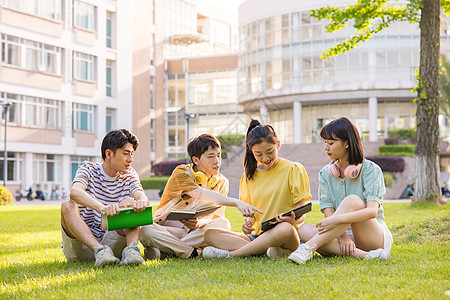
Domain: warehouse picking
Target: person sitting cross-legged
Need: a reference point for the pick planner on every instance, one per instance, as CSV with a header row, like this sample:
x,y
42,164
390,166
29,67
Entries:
x,y
188,187
104,188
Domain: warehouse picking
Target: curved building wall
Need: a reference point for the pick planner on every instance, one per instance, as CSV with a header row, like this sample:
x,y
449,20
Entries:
x,y
280,64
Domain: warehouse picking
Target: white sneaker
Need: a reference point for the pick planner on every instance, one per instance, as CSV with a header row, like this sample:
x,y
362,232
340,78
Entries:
x,y
213,252
380,254
302,254
277,252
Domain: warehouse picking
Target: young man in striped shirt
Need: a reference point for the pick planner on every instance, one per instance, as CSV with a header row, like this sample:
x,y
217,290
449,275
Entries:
x,y
103,188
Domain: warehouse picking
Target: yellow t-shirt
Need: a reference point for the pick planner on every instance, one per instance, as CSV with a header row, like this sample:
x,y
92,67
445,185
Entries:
x,y
275,191
181,182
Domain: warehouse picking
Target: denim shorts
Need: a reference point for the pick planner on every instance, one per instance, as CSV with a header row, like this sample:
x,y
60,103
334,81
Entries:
x,y
252,236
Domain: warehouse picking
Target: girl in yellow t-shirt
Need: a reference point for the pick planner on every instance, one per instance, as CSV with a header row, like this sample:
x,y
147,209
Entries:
x,y
275,186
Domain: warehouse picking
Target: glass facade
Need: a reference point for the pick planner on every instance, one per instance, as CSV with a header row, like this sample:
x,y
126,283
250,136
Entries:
x,y
280,57
210,100
284,51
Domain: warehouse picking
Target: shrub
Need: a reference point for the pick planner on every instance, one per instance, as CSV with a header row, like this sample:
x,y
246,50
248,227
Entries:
x,y
231,139
406,154
391,141
165,168
5,196
393,164
154,183
397,149
388,179
224,154
403,134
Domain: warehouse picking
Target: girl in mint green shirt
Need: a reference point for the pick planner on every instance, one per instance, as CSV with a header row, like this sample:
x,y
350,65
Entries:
x,y
351,190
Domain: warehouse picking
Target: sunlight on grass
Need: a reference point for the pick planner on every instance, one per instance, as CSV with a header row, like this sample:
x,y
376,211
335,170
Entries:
x,y
32,265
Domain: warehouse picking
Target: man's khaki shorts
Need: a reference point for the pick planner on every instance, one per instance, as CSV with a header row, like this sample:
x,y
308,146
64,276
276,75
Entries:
x,y
74,250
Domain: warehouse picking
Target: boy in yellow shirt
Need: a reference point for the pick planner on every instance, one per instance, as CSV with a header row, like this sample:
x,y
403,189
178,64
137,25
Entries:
x,y
188,187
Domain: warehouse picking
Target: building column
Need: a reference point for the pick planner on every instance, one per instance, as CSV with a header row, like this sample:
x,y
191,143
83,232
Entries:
x,y
27,177
297,121
373,116
263,114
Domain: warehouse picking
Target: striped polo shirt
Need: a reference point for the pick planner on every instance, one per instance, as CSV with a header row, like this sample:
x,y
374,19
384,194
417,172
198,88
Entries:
x,y
105,189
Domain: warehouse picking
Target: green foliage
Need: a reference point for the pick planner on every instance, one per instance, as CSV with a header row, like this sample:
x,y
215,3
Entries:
x,y
396,149
154,183
388,179
404,154
224,154
231,139
403,134
369,16
32,265
5,196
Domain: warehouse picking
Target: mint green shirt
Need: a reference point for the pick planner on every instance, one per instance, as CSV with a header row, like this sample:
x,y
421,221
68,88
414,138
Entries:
x,y
369,186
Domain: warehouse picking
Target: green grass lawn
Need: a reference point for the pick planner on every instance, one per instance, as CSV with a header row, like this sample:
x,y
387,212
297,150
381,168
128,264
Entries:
x,y
33,266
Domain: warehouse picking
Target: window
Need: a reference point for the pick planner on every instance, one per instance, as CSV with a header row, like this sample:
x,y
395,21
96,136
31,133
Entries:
x,y
14,166
50,9
33,111
84,15
109,119
76,161
109,78
109,29
83,117
31,55
47,168
83,66
222,32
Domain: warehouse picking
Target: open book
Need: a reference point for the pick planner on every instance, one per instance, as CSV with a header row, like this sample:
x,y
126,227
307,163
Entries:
x,y
266,225
186,214
127,218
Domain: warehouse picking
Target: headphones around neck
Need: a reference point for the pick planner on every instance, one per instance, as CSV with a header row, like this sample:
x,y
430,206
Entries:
x,y
201,178
352,171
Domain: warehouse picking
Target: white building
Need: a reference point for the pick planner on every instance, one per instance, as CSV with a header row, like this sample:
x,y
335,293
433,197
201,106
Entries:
x,y
283,78
66,70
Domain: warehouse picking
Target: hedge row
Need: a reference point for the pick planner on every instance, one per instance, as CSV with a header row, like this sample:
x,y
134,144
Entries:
x,y
154,183
397,148
406,154
231,139
403,134
392,164
388,179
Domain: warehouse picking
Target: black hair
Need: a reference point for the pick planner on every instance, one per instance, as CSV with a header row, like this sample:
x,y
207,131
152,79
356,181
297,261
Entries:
x,y
116,139
256,134
345,130
200,144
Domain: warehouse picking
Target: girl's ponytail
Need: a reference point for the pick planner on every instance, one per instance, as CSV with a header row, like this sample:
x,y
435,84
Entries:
x,y
256,134
250,162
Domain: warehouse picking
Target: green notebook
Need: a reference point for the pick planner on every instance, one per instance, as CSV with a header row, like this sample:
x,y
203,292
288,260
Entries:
x,y
127,218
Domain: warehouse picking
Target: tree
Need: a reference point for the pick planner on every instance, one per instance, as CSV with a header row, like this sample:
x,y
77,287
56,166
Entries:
x,y
372,16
